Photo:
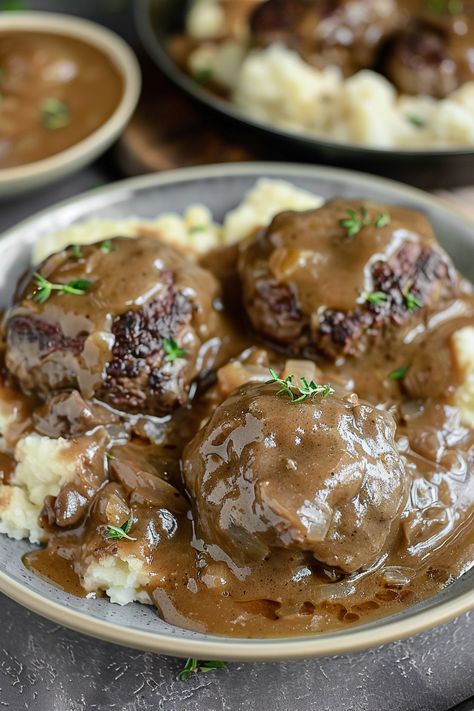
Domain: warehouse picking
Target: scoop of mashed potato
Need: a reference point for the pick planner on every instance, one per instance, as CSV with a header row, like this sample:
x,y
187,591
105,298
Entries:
x,y
195,232
463,350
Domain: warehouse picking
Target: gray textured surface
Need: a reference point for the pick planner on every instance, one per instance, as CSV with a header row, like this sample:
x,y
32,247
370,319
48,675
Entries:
x,y
47,668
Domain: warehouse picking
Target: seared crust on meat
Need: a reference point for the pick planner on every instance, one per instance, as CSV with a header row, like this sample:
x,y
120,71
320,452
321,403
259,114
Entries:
x,y
387,277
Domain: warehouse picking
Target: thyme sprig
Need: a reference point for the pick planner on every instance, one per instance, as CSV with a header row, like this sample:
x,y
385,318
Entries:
x,y
194,666
355,221
46,288
173,350
303,391
375,298
117,533
398,373
412,302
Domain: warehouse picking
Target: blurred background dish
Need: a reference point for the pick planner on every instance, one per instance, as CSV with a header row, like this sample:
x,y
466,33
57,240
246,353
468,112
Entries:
x,y
68,87
418,140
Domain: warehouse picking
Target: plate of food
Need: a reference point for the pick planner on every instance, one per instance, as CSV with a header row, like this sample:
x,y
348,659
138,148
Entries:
x,y
237,412
385,86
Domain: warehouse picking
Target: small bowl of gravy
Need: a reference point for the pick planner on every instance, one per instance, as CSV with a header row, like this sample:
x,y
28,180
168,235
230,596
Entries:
x,y
67,89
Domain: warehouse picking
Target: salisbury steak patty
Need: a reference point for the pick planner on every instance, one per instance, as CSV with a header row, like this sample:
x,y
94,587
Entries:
x,y
343,33
330,281
130,337
322,475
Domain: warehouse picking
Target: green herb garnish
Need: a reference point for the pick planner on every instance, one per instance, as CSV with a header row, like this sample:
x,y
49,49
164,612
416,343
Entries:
x,y
453,7
110,456
416,121
398,373
376,298
412,302
76,252
106,246
194,666
383,220
198,228
288,387
173,350
203,75
54,114
117,533
12,5
355,221
46,288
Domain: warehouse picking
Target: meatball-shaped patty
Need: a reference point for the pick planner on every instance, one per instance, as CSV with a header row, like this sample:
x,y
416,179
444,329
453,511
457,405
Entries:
x,y
322,475
433,55
332,280
127,329
344,33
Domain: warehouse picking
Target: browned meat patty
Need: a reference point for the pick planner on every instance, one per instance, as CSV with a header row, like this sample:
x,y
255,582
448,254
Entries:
x,y
131,338
334,280
322,476
345,33
433,55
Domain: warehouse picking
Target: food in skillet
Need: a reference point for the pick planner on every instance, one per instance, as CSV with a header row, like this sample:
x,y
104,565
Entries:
x,y
284,478
380,73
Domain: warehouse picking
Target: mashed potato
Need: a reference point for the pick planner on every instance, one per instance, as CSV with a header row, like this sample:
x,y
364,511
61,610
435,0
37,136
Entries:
x,y
195,232
276,86
43,467
463,349
121,577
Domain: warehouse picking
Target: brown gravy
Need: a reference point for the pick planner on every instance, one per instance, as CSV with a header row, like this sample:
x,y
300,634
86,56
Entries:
x,y
197,586
54,92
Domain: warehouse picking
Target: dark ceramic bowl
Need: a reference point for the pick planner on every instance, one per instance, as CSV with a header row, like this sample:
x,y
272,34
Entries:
x,y
429,169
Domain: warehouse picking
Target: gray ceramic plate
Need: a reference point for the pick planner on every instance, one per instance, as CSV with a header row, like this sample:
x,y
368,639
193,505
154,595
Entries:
x,y
221,188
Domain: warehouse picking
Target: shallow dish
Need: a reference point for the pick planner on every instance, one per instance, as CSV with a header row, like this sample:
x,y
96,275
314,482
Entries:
x,y
157,20
221,188
22,178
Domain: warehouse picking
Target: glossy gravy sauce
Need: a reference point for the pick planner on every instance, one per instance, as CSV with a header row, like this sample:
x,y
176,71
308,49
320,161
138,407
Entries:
x,y
195,584
54,92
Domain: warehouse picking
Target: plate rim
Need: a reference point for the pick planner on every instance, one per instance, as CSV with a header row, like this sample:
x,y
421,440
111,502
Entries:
x,y
217,647
158,54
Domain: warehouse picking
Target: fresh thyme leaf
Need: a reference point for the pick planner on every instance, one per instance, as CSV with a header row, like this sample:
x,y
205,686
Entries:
x,y
398,373
12,5
54,114
355,221
352,224
194,666
76,252
173,350
383,220
45,287
412,302
198,228
203,75
117,533
453,7
75,286
298,393
106,246
376,298
416,120
110,456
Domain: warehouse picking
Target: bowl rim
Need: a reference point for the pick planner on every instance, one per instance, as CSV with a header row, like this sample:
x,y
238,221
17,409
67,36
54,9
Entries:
x,y
217,647
157,51
114,48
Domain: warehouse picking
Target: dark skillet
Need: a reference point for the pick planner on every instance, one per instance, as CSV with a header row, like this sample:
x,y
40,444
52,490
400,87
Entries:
x,y
428,169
